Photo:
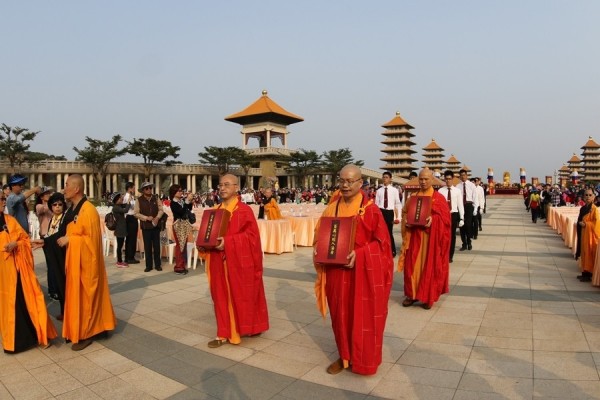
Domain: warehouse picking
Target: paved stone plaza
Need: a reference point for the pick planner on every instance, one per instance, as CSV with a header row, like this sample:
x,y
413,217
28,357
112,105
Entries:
x,y
515,325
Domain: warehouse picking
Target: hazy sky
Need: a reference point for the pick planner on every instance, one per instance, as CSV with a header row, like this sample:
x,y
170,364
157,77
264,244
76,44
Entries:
x,y
501,84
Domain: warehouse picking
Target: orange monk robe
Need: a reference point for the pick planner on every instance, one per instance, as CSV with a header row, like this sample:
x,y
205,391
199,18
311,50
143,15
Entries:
x,y
358,297
21,261
272,210
424,254
88,309
589,239
235,277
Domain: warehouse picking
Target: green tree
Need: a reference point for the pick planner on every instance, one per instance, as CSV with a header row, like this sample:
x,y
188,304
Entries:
x,y
246,161
335,160
303,163
98,154
221,157
153,153
14,146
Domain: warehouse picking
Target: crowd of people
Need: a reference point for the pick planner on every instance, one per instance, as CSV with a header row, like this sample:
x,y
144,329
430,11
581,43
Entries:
x,y
539,199
355,291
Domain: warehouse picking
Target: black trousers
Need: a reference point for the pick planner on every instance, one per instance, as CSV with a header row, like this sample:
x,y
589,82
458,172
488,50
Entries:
x,y
475,228
388,217
131,238
455,219
152,246
465,231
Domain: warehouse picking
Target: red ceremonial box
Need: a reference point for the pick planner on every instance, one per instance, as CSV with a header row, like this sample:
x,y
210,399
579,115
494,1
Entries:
x,y
213,225
335,240
418,209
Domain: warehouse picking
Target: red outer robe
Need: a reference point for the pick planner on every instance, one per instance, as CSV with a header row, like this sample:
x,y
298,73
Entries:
x,y
244,262
358,297
88,309
432,268
21,260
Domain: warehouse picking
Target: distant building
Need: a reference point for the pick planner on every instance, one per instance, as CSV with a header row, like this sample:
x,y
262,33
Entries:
x,y
453,165
398,147
591,161
433,157
575,165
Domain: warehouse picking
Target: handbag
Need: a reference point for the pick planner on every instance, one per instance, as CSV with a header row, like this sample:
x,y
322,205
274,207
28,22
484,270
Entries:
x,y
191,217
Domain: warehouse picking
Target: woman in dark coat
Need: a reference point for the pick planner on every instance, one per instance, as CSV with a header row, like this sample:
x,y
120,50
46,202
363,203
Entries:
x,y
119,210
55,255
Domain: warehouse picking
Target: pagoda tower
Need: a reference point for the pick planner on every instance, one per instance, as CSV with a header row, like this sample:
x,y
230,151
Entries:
x,y
433,157
265,120
453,164
575,165
591,161
398,147
564,174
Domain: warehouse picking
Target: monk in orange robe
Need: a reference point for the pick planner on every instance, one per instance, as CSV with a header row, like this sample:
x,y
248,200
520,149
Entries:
x,y
234,269
357,294
272,210
88,310
588,232
24,321
424,255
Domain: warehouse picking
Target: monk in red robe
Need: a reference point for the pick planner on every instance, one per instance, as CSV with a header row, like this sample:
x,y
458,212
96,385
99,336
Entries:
x,y
357,294
88,310
234,269
424,255
24,321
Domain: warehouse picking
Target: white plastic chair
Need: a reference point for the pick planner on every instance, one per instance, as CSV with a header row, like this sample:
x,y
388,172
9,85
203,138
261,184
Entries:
x,y
192,256
109,239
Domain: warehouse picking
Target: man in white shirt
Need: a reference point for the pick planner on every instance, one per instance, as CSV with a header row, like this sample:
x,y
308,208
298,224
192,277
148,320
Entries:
x,y
481,203
387,198
469,200
132,224
455,204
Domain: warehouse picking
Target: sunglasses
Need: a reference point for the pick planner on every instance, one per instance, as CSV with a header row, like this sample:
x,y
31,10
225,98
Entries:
x,y
57,204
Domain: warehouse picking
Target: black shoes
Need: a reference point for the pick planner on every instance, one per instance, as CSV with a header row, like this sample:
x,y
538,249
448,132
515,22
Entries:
x,y
148,270
463,248
133,261
585,276
469,247
158,268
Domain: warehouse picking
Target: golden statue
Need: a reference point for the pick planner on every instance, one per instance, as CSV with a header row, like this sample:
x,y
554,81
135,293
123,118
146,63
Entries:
x,y
506,179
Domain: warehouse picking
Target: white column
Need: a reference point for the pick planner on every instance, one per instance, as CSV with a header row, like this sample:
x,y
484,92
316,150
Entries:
x,y
32,180
115,183
59,184
136,182
65,176
268,138
243,141
40,180
157,183
188,182
90,190
107,183
193,183
130,178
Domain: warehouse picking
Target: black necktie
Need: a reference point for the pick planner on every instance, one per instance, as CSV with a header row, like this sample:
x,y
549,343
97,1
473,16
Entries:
x,y
464,192
385,199
449,200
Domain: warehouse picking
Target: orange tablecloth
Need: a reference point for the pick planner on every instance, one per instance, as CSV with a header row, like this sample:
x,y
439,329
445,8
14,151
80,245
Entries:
x,y
276,236
564,221
304,229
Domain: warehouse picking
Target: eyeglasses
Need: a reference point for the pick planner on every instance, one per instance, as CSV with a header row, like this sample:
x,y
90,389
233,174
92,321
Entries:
x,y
348,182
588,194
57,204
226,185
147,187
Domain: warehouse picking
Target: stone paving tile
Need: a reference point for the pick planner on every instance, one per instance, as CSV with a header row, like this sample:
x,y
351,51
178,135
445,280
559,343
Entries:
x,y
243,382
23,385
564,365
490,386
111,361
78,394
565,389
55,379
117,388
